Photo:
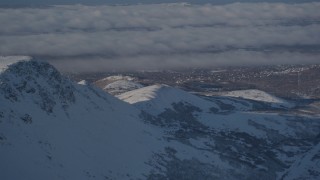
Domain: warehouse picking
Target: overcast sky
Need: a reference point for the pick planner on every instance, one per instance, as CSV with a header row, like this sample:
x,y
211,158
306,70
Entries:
x,y
96,38
59,2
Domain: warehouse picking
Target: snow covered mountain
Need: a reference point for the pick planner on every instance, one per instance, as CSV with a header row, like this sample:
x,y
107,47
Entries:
x,y
52,128
259,143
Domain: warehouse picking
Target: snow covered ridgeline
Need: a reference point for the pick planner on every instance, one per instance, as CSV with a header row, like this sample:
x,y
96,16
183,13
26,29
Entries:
x,y
156,98
117,78
257,95
162,96
116,85
52,128
121,86
7,60
186,116
218,113
168,103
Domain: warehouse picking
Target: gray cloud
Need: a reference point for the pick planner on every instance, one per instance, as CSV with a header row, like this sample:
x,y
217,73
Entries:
x,y
164,35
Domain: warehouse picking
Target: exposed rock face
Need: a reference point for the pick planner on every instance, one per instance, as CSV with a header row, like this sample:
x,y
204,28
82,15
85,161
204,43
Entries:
x,y
39,81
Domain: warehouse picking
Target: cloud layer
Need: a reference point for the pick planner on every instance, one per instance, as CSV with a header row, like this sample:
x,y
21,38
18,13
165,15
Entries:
x,y
90,38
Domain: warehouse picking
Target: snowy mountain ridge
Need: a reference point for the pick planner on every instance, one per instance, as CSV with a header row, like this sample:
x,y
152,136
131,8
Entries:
x,y
162,96
117,78
121,86
188,116
258,95
53,128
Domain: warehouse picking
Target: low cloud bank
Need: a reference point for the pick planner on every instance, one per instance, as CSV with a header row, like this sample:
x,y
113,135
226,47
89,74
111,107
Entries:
x,y
95,38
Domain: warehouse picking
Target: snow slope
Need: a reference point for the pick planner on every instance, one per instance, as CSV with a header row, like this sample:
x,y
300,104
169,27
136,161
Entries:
x,y
121,86
256,142
52,128
156,98
307,167
258,95
117,78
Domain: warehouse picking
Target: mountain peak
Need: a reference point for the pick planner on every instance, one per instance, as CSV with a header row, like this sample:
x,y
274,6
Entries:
x,y
5,61
31,67
31,79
